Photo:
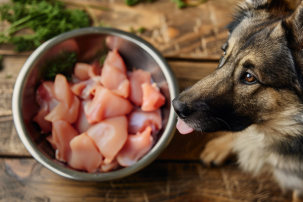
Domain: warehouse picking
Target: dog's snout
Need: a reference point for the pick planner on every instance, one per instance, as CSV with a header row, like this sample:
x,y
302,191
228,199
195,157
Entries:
x,y
181,108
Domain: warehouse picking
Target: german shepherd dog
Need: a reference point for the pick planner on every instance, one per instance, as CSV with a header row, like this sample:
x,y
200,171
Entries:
x,y
255,96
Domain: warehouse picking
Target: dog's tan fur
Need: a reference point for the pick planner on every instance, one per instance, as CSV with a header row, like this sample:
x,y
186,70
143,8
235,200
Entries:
x,y
263,120
253,149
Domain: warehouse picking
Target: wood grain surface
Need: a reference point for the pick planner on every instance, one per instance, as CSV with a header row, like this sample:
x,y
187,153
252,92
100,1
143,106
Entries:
x,y
27,180
190,39
195,32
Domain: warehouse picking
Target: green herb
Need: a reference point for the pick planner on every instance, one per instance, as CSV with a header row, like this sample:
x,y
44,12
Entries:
x,y
184,3
140,30
102,59
103,24
61,64
8,76
134,2
45,17
131,2
180,3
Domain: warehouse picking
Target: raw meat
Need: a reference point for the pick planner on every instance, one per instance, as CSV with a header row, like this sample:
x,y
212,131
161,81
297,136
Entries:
x,y
138,120
46,100
136,79
152,98
68,107
105,104
62,90
45,95
115,80
95,69
108,167
81,123
45,126
109,136
84,89
62,134
136,147
62,112
113,58
51,141
81,70
84,154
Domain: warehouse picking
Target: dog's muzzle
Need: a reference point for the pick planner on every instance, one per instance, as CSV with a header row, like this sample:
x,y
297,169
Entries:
x,y
181,108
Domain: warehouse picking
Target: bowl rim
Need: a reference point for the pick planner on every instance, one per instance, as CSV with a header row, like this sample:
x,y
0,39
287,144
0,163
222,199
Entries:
x,y
162,143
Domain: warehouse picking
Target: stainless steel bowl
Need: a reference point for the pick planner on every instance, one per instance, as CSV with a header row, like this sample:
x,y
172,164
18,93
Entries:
x,y
136,53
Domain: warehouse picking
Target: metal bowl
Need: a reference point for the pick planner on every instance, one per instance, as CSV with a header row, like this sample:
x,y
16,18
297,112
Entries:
x,y
136,53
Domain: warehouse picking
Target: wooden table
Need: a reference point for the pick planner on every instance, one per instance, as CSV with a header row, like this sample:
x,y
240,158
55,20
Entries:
x,y
190,39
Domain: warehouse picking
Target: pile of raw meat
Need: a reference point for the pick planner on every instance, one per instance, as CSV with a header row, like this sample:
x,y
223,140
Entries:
x,y
104,118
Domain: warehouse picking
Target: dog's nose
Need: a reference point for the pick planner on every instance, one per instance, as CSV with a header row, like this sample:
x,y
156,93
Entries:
x,y
181,108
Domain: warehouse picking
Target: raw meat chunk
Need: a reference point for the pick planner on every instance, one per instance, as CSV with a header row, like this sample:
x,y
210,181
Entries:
x,y
136,146
113,58
45,98
95,69
138,120
45,95
62,134
136,79
68,107
105,104
115,80
81,70
61,112
84,154
152,98
108,167
62,90
45,126
109,136
84,89
81,123
50,139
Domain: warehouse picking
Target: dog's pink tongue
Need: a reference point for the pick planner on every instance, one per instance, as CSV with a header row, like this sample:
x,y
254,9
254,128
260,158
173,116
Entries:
x,y
183,128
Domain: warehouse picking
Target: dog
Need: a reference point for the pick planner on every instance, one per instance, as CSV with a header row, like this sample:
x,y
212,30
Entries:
x,y
254,99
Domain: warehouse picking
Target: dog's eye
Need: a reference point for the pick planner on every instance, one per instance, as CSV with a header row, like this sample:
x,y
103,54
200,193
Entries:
x,y
249,78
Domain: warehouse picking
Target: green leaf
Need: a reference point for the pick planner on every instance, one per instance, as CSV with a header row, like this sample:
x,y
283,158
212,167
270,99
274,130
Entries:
x,y
47,18
180,3
102,59
60,64
131,2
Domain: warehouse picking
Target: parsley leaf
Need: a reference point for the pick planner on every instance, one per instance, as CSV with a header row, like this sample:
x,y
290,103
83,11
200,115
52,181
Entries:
x,y
61,64
46,18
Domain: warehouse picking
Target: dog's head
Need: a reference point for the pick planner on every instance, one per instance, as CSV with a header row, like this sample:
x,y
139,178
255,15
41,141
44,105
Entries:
x,y
259,74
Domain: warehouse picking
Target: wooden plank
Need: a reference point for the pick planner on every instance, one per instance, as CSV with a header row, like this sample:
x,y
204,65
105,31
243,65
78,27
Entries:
x,y
194,32
187,74
27,180
10,144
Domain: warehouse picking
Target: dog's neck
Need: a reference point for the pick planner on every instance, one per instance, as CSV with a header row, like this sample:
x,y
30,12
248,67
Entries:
x,y
284,125
280,136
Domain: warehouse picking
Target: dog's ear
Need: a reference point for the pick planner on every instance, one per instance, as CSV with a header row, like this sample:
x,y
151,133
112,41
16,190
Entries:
x,y
261,8
294,26
246,9
257,4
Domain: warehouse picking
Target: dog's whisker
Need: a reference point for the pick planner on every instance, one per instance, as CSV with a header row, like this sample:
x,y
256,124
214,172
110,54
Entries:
x,y
224,122
215,121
